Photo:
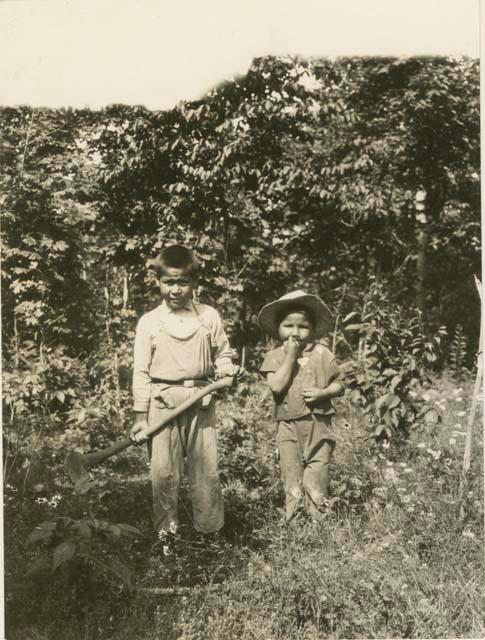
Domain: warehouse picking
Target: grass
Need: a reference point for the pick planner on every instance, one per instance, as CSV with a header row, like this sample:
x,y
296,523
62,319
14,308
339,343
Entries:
x,y
394,556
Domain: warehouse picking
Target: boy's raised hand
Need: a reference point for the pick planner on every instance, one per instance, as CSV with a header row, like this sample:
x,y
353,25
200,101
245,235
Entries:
x,y
293,347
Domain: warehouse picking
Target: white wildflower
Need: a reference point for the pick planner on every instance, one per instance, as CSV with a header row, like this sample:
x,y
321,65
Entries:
x,y
468,534
390,474
52,502
173,527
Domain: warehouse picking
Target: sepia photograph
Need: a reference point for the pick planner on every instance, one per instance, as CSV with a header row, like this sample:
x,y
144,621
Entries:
x,y
241,309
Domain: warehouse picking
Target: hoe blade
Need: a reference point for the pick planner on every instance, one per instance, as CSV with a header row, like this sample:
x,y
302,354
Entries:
x,y
77,472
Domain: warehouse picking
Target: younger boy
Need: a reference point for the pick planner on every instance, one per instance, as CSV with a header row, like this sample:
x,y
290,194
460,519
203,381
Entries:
x,y
303,376
178,346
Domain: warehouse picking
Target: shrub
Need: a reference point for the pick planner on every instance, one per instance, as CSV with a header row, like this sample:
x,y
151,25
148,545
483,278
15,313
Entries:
x,y
68,541
395,356
43,382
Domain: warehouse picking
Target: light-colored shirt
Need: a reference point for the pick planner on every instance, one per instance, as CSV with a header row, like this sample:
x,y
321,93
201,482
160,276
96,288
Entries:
x,y
176,326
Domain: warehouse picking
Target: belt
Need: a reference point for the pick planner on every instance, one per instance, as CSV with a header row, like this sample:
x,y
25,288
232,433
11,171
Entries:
x,y
182,383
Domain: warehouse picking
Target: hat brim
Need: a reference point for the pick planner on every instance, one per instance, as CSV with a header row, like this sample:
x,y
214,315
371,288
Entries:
x,y
269,314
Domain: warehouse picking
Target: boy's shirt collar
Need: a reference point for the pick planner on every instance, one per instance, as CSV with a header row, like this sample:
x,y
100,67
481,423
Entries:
x,y
309,347
168,310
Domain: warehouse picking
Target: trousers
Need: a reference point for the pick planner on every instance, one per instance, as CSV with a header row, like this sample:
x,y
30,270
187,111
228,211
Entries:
x,y
305,451
189,440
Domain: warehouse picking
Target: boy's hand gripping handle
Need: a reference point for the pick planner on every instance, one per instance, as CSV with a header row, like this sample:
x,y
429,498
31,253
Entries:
x,y
203,391
77,464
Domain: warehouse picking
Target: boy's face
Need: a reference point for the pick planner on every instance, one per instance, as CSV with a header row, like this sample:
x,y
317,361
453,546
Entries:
x,y
176,287
296,326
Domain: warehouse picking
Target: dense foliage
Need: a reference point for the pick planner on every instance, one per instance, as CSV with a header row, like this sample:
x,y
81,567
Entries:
x,y
315,174
357,179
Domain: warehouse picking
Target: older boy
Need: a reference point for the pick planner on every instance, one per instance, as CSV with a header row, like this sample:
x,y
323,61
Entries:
x,y
178,346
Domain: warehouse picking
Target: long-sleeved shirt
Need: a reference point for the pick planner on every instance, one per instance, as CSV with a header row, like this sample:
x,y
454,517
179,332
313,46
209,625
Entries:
x,y
177,326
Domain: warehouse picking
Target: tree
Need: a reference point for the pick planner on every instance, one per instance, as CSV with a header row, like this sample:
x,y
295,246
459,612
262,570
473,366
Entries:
x,y
49,206
303,173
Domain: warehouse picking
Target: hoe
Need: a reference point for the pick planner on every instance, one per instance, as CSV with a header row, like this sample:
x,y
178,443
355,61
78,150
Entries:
x,y
77,464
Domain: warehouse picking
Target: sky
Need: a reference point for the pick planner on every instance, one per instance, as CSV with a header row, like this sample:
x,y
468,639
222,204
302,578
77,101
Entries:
x,y
156,53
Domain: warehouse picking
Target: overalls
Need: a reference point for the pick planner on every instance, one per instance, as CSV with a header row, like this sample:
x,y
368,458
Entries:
x,y
182,363
305,437
305,452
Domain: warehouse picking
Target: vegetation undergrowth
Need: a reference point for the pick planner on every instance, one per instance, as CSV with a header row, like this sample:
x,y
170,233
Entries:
x,y
393,555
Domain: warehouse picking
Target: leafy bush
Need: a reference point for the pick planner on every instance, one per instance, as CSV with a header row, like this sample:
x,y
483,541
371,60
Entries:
x,y
67,541
395,356
42,383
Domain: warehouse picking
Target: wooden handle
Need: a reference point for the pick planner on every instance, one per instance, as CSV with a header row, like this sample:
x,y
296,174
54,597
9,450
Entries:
x,y
203,391
91,459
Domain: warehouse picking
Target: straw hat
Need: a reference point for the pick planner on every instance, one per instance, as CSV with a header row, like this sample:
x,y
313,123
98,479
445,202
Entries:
x,y
269,314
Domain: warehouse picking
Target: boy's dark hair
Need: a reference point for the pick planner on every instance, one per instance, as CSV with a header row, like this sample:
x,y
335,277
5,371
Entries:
x,y
176,256
295,308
